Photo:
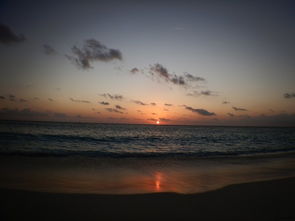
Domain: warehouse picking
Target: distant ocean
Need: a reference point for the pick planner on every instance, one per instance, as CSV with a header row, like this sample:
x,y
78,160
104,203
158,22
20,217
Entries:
x,y
118,140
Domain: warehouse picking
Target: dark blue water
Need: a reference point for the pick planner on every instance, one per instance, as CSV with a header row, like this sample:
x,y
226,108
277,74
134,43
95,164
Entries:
x,y
117,140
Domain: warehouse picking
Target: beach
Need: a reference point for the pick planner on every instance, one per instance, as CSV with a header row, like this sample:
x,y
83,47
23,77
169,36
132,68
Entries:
x,y
266,200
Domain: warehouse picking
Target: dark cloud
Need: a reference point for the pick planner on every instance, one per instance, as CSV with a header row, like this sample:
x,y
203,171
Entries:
x,y
159,72
152,119
60,115
154,114
7,36
113,97
11,97
191,77
239,109
7,113
225,102
289,95
2,98
165,119
113,110
200,111
202,93
230,114
153,104
120,107
79,101
92,51
50,99
104,103
134,70
168,105
139,102
22,100
48,50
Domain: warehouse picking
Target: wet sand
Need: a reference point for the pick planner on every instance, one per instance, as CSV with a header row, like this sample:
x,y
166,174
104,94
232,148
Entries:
x,y
265,200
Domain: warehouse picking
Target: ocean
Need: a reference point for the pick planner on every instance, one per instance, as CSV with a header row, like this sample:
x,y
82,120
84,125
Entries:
x,y
122,140
124,159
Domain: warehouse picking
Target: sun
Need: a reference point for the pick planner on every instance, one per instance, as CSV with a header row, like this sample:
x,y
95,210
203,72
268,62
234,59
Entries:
x,y
158,122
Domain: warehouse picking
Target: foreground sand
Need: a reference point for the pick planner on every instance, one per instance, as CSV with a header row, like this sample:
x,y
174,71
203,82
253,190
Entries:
x,y
267,200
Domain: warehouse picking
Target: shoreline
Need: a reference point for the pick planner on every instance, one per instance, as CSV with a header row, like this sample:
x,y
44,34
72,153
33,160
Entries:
x,y
263,200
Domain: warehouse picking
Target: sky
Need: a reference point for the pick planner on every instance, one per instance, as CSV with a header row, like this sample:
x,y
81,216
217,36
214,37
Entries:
x,y
212,62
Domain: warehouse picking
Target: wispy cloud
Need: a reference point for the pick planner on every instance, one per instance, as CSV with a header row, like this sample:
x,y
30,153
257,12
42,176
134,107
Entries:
x,y
202,93
239,109
225,102
289,95
168,105
2,97
230,114
50,99
7,36
79,101
160,73
139,102
104,103
120,107
19,114
165,119
48,50
200,111
92,51
113,110
113,97
134,70
153,104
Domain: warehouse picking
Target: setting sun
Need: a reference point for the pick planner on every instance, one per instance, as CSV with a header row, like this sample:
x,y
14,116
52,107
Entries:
x,y
158,122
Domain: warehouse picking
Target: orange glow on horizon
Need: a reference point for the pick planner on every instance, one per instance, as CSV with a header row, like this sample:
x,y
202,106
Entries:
x,y
158,122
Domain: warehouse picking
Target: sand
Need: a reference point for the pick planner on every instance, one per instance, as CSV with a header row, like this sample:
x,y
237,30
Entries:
x,y
266,200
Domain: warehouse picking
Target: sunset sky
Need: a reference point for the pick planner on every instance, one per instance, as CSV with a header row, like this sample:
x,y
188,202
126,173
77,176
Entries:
x,y
179,62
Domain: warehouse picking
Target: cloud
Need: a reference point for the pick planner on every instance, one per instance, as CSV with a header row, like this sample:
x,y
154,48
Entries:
x,y
60,115
200,111
113,110
50,99
225,102
19,114
7,36
2,97
139,102
191,77
120,107
165,109
92,51
22,100
289,95
230,114
239,109
152,119
153,104
79,101
104,103
11,97
154,114
159,72
168,105
165,119
202,93
134,70
48,50
113,97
